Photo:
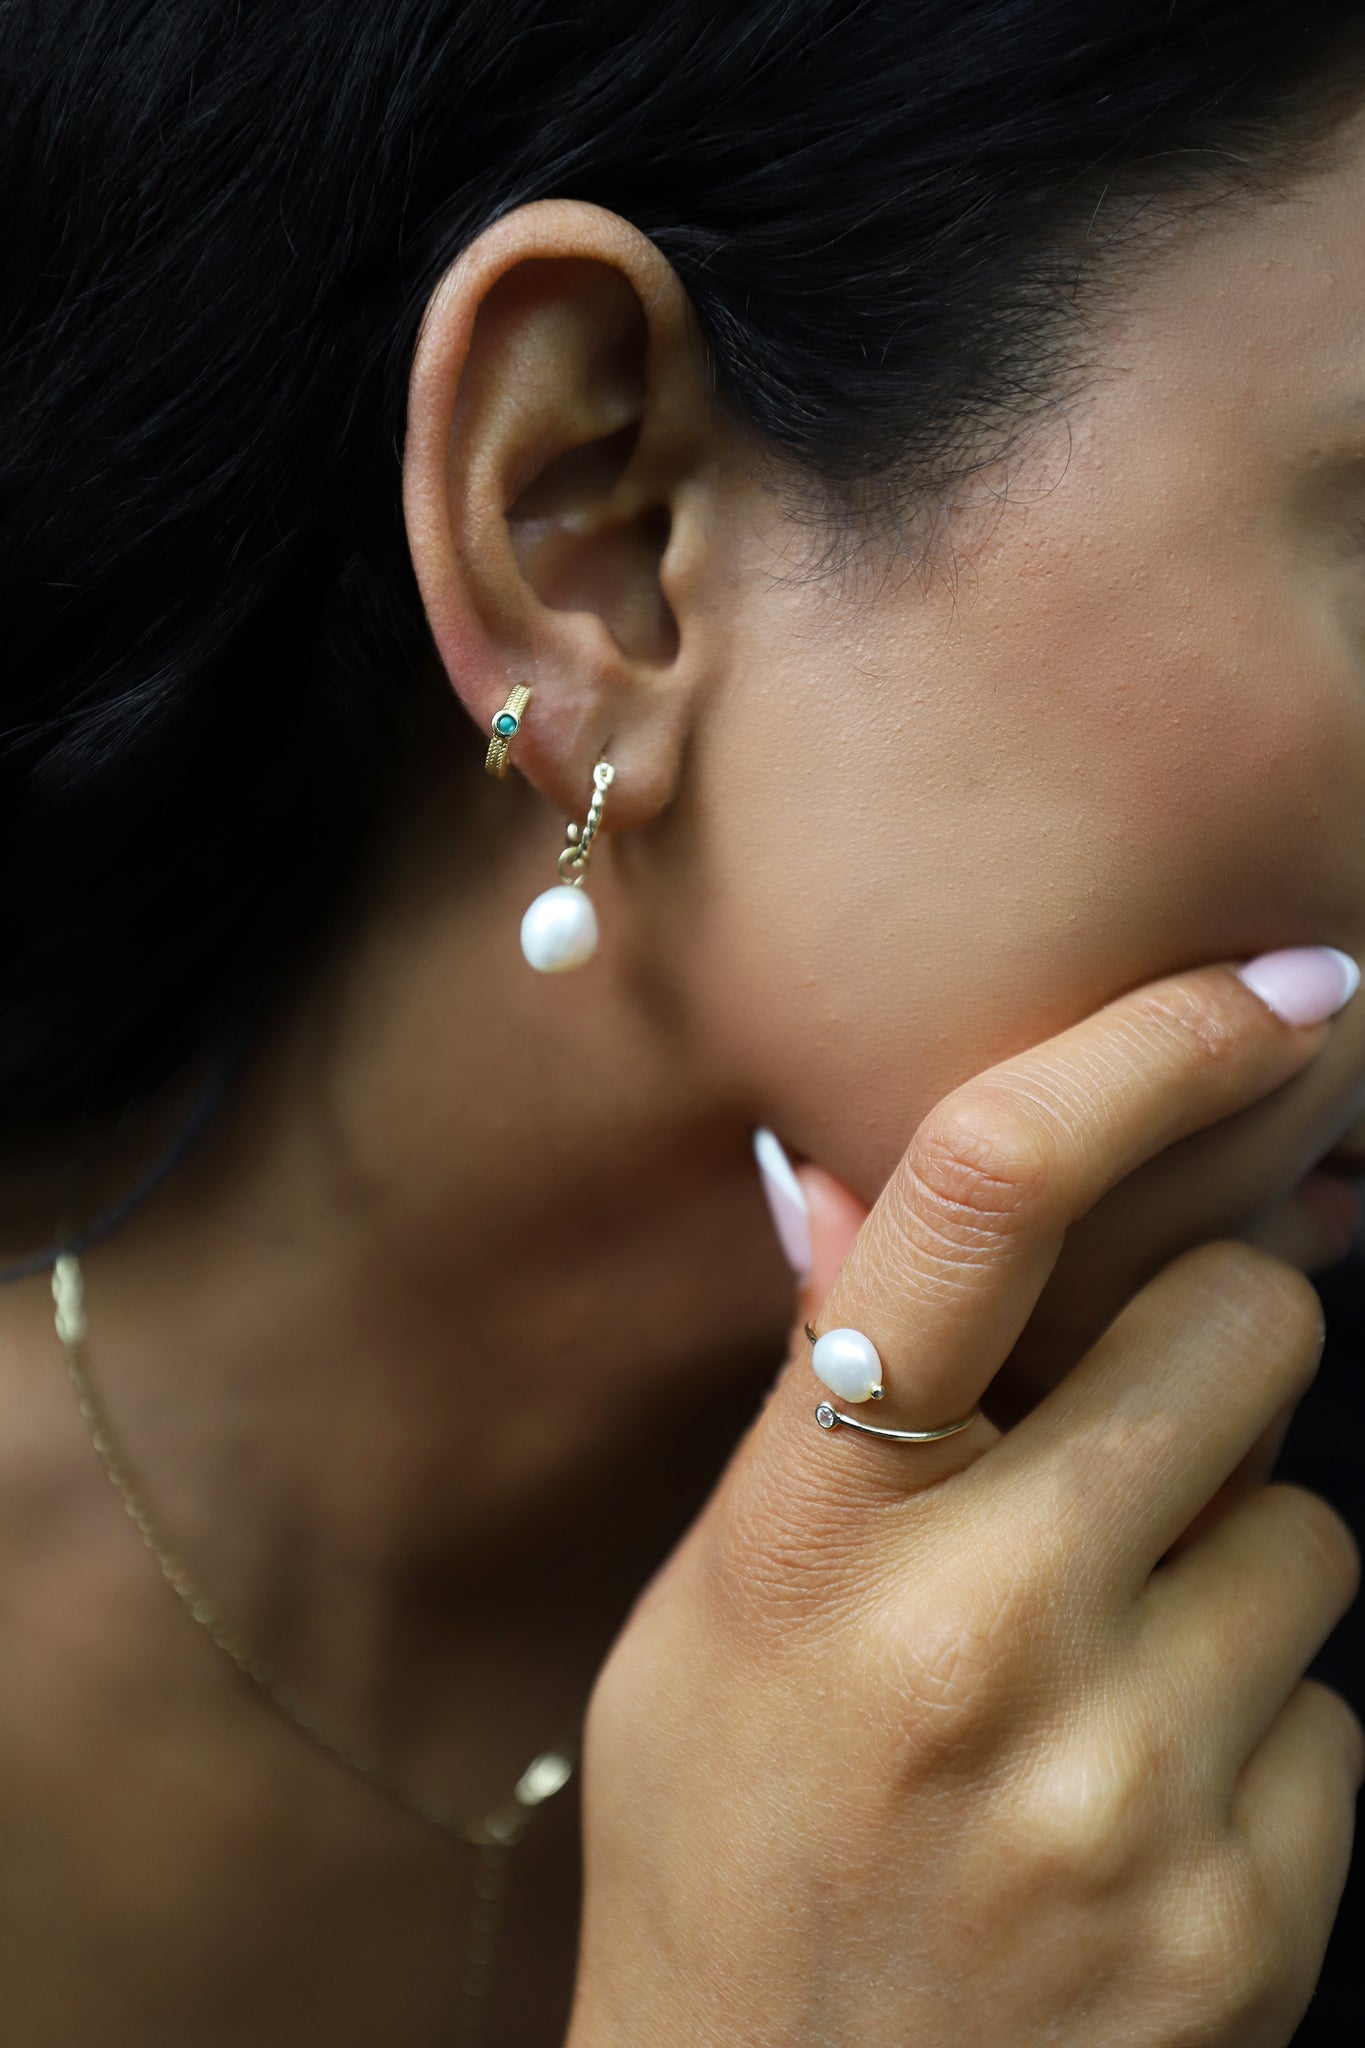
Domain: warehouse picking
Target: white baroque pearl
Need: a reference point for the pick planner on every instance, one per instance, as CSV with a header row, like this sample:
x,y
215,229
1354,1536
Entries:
x,y
559,929
848,1364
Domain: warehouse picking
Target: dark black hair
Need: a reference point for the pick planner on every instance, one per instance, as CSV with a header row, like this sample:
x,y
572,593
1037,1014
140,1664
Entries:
x,y
222,221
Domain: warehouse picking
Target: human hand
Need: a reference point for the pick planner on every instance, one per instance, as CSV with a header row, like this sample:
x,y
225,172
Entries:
x,y
961,1743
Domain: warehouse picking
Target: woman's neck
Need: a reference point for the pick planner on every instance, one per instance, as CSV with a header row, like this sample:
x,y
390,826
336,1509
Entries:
x,y
469,1279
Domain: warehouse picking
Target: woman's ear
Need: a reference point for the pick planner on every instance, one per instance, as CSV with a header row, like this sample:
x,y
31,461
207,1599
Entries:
x,y
560,486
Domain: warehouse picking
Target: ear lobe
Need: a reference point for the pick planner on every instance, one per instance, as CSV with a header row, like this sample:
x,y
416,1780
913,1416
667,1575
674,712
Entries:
x,y
555,411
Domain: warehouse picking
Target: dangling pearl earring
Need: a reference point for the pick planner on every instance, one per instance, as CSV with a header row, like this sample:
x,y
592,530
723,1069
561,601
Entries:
x,y
559,929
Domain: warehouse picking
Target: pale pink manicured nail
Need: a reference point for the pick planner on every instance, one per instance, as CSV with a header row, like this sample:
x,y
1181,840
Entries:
x,y
1303,984
786,1203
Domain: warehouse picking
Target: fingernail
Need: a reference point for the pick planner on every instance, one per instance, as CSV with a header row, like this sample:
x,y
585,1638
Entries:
x,y
786,1203
1303,984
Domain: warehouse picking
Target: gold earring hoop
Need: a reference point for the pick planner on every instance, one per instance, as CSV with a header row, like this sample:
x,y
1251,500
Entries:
x,y
559,929
573,861
506,726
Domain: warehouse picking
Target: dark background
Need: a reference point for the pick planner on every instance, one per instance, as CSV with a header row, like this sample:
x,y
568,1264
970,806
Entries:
x,y
1325,1449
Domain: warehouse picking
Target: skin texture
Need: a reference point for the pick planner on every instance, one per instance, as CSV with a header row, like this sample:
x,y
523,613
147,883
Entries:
x,y
436,1343
945,1747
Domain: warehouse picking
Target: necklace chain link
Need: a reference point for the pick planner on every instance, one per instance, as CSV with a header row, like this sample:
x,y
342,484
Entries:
x,y
494,1834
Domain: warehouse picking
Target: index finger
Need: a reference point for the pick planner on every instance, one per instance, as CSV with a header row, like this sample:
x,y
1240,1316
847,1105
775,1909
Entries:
x,y
951,1260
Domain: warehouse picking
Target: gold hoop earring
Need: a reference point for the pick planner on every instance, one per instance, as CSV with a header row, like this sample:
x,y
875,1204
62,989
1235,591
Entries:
x,y
559,930
506,726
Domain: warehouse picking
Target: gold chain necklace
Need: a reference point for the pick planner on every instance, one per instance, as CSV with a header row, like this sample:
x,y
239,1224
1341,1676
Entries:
x,y
494,1834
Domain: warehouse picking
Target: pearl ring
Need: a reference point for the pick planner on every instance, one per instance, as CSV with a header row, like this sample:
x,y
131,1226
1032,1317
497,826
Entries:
x,y
848,1364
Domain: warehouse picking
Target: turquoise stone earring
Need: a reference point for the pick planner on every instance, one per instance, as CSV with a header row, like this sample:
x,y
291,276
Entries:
x,y
506,726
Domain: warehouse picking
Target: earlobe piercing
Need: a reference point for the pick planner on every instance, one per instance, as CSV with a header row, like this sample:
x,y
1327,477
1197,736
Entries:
x,y
559,930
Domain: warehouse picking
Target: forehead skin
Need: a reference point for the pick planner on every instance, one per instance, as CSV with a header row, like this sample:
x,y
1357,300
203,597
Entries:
x,y
1126,735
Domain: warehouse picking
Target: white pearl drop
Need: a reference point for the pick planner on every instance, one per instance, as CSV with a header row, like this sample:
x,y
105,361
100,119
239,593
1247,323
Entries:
x,y
848,1364
559,930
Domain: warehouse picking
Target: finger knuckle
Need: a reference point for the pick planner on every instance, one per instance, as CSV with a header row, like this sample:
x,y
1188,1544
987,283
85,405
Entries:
x,y
1321,1539
1085,1813
979,1164
1190,1023
952,1674
1288,1301
1340,1724
1271,1304
1227,1959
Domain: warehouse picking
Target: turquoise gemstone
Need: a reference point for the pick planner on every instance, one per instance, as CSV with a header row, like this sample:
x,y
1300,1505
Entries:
x,y
505,723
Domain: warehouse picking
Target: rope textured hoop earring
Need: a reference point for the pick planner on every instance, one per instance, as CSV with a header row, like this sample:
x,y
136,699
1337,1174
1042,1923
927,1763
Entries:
x,y
506,726
559,930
